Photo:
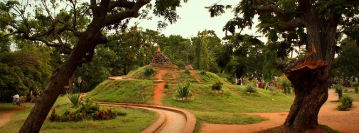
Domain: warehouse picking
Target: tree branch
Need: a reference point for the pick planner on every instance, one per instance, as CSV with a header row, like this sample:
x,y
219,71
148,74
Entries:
x,y
74,21
271,8
292,24
120,3
133,12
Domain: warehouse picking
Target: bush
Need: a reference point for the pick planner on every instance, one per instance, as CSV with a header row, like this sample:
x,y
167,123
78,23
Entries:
x,y
283,81
339,90
356,90
87,111
202,72
187,71
250,88
273,90
346,103
354,84
75,99
217,86
346,91
183,91
88,107
149,71
179,63
166,85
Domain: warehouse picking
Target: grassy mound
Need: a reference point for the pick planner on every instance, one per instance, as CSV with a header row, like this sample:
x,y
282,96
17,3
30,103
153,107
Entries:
x,y
127,91
139,73
223,107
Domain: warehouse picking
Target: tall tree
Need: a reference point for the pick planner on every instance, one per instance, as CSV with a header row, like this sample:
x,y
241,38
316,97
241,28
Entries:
x,y
348,60
308,21
205,45
48,29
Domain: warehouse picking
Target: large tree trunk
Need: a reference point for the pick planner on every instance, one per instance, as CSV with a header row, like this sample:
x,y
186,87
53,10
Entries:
x,y
311,92
60,78
311,86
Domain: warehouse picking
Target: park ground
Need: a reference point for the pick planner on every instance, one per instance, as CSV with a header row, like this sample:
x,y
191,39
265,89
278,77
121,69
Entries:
x,y
210,120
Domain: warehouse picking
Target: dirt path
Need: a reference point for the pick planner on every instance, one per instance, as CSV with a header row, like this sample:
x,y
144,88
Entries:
x,y
6,115
194,74
159,87
344,121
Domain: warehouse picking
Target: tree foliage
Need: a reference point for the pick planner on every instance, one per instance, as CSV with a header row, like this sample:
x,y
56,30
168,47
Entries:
x,y
23,71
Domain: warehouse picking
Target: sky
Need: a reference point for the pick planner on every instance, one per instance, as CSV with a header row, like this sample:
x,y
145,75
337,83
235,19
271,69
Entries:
x,y
194,17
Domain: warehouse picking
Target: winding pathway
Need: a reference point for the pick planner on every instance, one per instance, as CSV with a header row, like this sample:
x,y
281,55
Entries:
x,y
170,120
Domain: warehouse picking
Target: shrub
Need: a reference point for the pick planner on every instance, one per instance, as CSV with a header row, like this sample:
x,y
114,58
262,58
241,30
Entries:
x,y
273,90
166,85
88,107
179,63
339,90
283,81
87,111
183,91
354,84
187,71
346,103
217,86
356,90
75,99
346,91
149,71
250,88
202,72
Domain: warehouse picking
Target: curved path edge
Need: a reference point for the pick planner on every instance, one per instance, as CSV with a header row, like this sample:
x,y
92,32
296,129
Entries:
x,y
190,118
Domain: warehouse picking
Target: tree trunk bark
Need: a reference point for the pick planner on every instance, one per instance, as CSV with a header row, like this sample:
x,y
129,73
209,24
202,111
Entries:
x,y
91,37
311,92
311,85
124,70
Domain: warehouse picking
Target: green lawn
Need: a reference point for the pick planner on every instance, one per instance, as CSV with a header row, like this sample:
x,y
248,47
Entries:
x,y
136,120
129,91
8,106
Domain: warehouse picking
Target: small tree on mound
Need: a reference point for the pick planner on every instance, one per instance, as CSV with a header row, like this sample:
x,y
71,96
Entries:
x,y
339,90
346,103
217,86
149,71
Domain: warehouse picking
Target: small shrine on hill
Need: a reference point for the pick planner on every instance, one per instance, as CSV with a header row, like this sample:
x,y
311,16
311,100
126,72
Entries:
x,y
160,60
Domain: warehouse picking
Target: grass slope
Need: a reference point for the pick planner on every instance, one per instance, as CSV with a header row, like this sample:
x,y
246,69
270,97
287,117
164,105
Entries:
x,y
129,91
226,107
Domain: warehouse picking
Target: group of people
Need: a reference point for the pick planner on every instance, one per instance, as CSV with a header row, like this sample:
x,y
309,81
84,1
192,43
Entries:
x,y
259,83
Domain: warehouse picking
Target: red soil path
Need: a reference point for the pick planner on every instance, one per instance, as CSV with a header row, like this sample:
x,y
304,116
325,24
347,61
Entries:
x,y
6,115
344,121
194,74
159,87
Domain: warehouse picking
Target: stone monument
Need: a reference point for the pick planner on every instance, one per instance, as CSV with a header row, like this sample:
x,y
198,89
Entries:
x,y
160,60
